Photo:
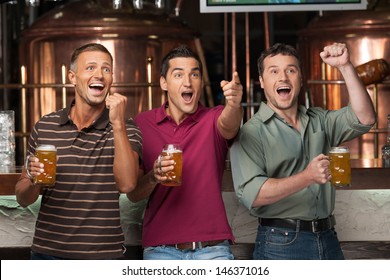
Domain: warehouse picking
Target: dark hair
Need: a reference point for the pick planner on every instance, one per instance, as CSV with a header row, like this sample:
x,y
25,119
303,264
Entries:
x,y
276,49
181,51
87,48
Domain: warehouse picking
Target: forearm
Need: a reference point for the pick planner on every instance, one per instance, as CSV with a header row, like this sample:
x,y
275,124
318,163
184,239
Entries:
x,y
229,121
126,162
145,187
359,98
274,189
26,193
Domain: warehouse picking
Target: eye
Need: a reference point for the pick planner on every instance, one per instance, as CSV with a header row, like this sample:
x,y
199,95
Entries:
x,y
177,75
90,68
107,70
291,71
196,75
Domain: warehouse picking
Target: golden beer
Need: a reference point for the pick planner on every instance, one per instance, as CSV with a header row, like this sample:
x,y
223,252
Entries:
x,y
174,176
47,154
340,166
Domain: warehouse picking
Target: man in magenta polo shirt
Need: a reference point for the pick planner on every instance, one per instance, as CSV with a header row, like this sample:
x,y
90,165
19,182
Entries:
x,y
188,221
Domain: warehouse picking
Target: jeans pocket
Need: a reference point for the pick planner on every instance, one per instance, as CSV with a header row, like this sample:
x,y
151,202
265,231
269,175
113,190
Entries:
x,y
280,236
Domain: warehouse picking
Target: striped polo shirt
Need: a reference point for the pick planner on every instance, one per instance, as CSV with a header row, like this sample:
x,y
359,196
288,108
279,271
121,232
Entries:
x,y
79,217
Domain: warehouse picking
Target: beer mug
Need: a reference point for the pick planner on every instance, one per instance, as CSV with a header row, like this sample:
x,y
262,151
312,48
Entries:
x,y
47,154
340,166
174,176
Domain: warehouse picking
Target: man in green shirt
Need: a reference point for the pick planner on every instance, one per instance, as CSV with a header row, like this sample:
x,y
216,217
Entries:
x,y
279,163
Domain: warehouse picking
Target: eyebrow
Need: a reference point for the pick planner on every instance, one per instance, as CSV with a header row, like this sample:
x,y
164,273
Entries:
x,y
181,69
276,66
94,63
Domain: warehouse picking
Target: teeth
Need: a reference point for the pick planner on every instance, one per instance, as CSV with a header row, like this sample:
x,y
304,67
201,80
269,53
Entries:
x,y
283,88
96,85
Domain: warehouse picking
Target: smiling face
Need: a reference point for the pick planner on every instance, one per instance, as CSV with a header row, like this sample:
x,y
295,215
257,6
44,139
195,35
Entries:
x,y
282,81
92,76
183,84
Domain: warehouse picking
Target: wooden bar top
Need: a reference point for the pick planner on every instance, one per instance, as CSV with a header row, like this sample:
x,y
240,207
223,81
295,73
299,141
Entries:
x,y
8,180
367,174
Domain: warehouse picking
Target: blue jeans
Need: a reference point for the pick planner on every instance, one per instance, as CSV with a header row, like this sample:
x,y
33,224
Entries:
x,y
287,244
218,252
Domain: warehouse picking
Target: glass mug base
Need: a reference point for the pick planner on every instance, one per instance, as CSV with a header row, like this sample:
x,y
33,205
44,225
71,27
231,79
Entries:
x,y
340,185
171,184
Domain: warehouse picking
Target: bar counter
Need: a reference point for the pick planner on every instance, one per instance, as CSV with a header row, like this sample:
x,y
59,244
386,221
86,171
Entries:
x,y
361,214
367,174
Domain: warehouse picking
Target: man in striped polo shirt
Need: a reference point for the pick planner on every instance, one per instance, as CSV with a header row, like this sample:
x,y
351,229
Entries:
x,y
98,153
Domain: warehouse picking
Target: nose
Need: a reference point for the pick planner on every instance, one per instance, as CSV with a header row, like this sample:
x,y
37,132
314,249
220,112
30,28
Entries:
x,y
187,81
283,76
98,73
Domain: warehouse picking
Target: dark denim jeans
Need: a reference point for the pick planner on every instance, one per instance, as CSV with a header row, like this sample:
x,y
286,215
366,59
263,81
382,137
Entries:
x,y
39,256
287,244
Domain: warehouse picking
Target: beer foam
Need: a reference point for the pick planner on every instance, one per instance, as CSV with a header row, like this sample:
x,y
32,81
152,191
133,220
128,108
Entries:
x,y
172,148
341,149
46,147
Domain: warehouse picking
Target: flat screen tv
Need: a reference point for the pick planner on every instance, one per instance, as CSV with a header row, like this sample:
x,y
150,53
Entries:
x,y
230,6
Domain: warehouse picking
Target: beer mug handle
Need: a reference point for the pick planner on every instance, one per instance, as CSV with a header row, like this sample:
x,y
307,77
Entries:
x,y
26,167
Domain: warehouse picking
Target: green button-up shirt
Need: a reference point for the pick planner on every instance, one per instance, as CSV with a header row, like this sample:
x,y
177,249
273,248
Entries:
x,y
268,147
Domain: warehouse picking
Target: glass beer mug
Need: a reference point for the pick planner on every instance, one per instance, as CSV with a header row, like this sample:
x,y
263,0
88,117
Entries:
x,y
174,176
340,166
47,154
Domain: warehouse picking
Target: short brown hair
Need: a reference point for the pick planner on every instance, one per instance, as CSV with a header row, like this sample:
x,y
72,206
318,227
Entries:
x,y
276,49
87,48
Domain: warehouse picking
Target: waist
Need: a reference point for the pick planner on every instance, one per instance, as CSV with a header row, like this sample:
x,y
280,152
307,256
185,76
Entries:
x,y
312,226
195,245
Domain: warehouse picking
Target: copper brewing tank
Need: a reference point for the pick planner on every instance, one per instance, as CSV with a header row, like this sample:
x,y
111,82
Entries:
x,y
367,35
137,39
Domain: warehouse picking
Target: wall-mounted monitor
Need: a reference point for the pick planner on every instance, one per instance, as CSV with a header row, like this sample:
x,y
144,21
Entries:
x,y
237,6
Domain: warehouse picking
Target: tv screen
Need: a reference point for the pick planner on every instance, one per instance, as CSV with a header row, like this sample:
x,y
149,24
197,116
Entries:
x,y
230,6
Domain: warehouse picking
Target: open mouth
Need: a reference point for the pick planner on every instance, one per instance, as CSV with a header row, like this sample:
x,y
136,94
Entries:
x,y
96,87
283,91
187,96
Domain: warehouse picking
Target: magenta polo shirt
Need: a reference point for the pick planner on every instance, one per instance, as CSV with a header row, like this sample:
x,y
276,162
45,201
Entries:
x,y
195,210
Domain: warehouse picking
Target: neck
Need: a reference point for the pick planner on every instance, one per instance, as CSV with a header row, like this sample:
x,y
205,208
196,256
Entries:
x,y
176,115
83,118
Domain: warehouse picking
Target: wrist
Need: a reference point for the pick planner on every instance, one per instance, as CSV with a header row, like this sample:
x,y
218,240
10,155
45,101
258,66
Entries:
x,y
152,178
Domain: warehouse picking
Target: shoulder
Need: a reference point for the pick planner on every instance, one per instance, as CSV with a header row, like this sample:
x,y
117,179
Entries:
x,y
52,118
316,111
210,112
149,115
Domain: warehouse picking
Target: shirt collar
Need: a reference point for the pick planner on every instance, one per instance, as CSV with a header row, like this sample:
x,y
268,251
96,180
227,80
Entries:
x,y
266,112
101,122
162,115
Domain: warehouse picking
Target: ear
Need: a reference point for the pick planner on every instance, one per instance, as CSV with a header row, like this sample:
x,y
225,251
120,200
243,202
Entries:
x,y
163,84
261,81
72,77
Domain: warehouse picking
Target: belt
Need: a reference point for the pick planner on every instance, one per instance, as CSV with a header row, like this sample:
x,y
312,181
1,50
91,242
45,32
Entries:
x,y
313,226
195,245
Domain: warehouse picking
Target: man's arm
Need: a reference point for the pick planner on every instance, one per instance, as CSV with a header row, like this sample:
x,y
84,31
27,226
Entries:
x,y
337,55
26,193
274,189
147,182
230,119
126,161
